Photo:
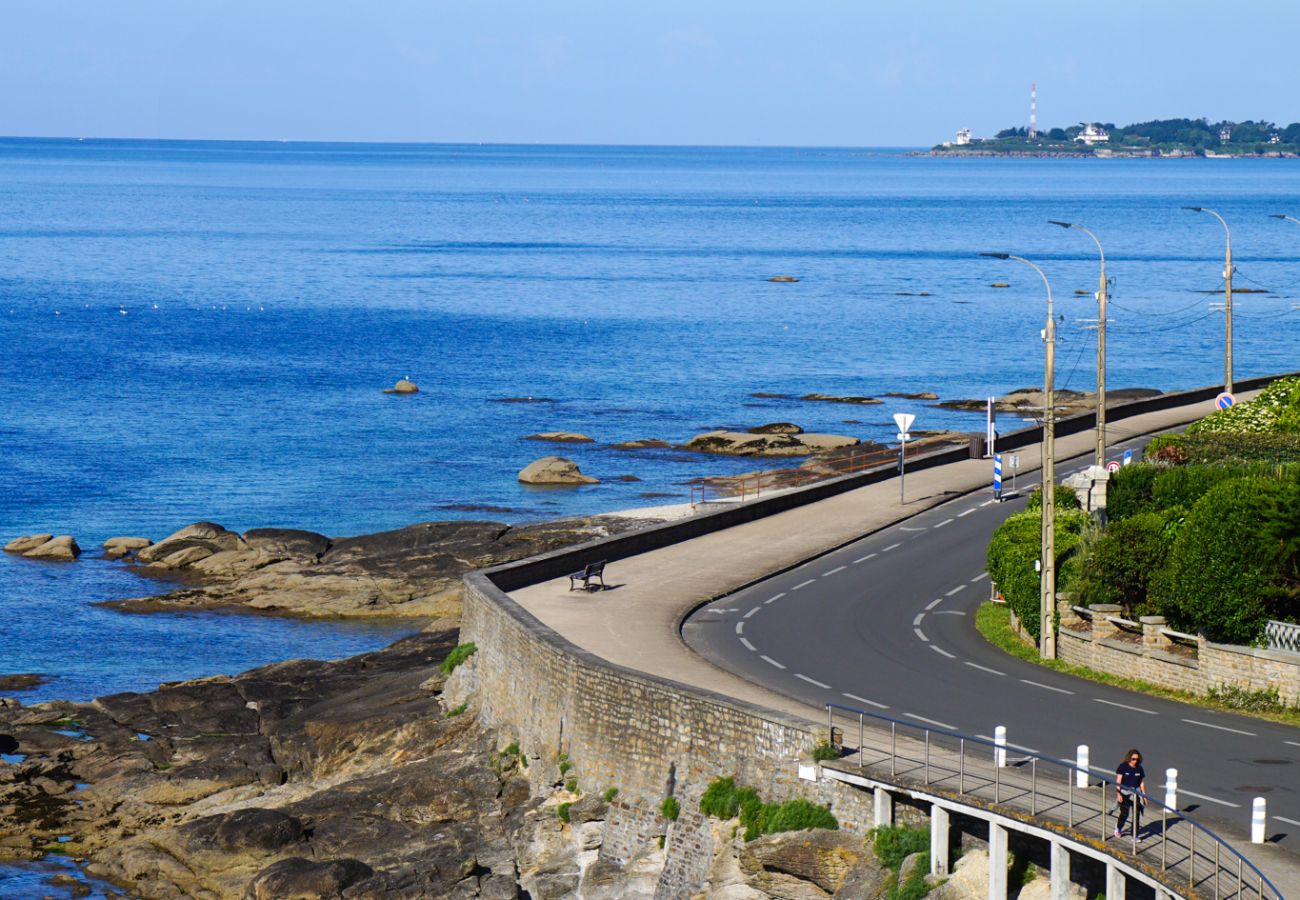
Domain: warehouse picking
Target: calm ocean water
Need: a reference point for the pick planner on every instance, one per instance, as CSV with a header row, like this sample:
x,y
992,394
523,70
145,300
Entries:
x,y
194,330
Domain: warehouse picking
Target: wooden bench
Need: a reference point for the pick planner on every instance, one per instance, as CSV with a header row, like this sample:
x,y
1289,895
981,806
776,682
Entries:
x,y
589,571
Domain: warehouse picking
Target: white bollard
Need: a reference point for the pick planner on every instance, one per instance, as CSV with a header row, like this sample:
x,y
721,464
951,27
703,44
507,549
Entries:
x,y
1257,818
1171,788
1000,739
1081,761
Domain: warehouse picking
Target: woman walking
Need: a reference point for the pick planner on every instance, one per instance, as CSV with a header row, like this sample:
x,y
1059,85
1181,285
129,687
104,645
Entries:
x,y
1130,791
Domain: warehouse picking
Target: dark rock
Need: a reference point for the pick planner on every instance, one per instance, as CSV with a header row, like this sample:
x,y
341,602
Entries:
x,y
21,682
783,279
829,398
301,879
287,542
201,535
258,829
777,428
919,395
642,444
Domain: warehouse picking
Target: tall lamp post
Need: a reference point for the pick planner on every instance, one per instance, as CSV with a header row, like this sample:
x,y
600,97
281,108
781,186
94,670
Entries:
x,y
1099,458
1227,298
1047,543
1287,218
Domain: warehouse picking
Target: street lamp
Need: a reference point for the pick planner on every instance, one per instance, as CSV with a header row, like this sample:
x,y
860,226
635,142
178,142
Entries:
x,y
1288,218
1099,458
1227,299
1047,543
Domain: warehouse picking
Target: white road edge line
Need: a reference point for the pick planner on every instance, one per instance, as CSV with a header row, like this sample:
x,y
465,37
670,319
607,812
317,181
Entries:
x,y
984,668
774,599
752,611
1126,706
966,513
1046,687
770,661
864,558
866,701
803,584
943,523
892,547
933,604
740,626
1220,728
960,587
921,635
812,681
1183,790
943,652
748,645
834,570
917,621
937,723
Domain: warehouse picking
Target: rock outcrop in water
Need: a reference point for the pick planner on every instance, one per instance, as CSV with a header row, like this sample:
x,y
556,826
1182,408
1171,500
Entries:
x,y
779,443
414,571
62,548
554,470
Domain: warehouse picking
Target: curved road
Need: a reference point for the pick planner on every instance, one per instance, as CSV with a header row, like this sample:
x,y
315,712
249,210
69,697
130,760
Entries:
x,y
886,625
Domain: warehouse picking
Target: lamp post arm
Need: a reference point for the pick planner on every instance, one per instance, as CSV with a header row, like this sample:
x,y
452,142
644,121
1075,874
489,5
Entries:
x,y
1047,284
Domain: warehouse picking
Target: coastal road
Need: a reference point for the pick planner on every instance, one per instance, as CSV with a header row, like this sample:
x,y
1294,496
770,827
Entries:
x,y
886,625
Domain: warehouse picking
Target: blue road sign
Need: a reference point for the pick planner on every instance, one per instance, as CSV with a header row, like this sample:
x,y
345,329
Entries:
x,y
1224,400
1128,457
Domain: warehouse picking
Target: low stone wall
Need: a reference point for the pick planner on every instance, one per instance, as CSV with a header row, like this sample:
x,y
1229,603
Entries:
x,y
1146,653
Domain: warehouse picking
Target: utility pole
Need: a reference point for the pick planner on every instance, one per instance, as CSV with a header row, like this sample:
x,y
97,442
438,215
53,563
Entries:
x,y
1227,298
1099,457
1047,542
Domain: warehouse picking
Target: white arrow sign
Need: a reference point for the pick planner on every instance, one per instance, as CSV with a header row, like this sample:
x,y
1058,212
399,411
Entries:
x,y
904,421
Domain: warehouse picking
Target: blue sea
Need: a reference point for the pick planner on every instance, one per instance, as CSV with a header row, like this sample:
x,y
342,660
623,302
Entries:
x,y
202,330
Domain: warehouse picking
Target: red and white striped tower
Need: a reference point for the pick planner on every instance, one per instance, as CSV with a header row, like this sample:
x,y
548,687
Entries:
x,y
1033,111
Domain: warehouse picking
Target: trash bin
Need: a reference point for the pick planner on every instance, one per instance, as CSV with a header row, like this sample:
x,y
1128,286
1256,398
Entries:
x,y
979,447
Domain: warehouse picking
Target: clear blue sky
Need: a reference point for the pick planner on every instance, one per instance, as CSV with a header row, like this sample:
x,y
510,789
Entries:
x,y
861,73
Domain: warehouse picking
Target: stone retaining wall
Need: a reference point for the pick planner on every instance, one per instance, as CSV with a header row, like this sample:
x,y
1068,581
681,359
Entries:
x,y
1152,656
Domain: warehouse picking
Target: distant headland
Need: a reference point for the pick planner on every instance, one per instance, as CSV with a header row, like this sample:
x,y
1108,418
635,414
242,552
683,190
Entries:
x,y
1169,138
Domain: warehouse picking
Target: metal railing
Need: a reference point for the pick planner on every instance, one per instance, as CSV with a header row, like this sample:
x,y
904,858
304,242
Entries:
x,y
1282,636
1032,786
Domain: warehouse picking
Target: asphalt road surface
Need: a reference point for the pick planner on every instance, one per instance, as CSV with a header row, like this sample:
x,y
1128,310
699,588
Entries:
x,y
887,625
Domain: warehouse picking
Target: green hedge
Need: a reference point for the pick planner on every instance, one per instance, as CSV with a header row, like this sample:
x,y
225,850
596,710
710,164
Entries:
x,y
1225,448
1276,410
723,800
1015,547
1123,559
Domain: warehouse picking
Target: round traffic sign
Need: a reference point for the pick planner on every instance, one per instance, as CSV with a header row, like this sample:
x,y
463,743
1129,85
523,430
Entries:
x,y
1112,466
1224,400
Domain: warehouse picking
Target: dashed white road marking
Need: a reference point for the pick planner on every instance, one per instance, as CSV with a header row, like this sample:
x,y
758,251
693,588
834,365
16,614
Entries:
x,y
987,503
906,528
950,612
803,584
943,523
774,599
935,722
1220,728
921,635
966,513
984,668
980,577
892,547
864,558
1046,687
834,570
917,620
1286,820
940,650
771,662
748,645
933,604
866,701
752,611
960,587
1126,706
1183,790
740,626
812,681
1292,743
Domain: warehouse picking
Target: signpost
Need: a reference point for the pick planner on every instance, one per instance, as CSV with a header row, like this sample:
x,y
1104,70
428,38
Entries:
x,y
1128,457
1224,400
904,422
1015,467
1113,466
997,477
990,424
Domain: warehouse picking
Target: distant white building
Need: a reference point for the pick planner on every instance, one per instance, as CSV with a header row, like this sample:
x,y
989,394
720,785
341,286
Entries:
x,y
963,137
1225,135
1275,138
1093,134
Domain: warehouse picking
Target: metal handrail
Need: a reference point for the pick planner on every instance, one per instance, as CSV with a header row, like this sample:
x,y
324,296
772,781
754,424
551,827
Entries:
x,y
1072,767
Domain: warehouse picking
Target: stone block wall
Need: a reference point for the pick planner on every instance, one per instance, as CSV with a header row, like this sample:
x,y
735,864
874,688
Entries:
x,y
1153,657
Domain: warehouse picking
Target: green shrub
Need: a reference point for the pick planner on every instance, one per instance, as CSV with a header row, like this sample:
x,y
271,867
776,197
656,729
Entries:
x,y
457,710
1065,498
1234,562
1225,449
913,889
1275,410
457,656
1119,564
565,765
1014,549
670,809
723,800
825,751
563,811
895,843
610,794
1129,491
1263,700
572,786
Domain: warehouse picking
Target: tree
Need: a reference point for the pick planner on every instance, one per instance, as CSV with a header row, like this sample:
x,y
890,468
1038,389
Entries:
x,y
1120,564
1057,134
